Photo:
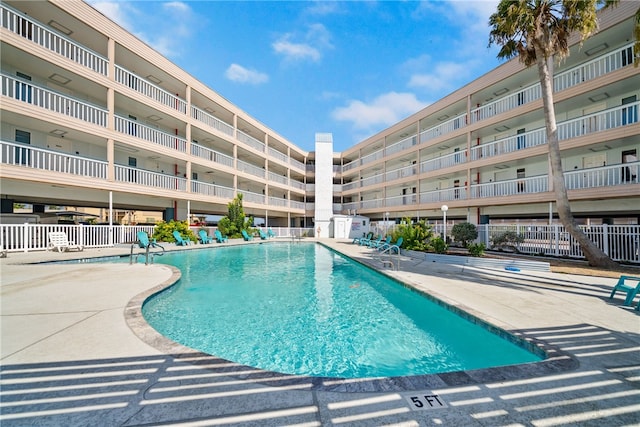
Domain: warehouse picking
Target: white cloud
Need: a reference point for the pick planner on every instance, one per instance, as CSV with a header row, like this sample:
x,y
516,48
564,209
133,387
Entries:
x,y
309,46
151,27
237,73
384,110
443,77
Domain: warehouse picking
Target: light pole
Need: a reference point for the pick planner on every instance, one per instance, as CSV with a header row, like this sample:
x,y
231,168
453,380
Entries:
x,y
386,223
444,210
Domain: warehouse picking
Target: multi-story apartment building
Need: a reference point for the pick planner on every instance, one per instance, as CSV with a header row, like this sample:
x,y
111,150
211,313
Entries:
x,y
92,116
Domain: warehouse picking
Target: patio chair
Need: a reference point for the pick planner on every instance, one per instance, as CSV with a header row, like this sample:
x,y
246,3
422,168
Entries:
x,y
246,236
371,242
270,233
380,243
204,237
59,240
630,290
144,241
180,241
220,238
263,235
359,239
395,247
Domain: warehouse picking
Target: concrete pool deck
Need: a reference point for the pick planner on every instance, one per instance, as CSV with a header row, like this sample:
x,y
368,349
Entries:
x,y
72,354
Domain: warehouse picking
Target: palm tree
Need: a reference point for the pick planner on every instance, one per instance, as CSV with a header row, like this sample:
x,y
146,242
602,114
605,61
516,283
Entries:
x,y
538,31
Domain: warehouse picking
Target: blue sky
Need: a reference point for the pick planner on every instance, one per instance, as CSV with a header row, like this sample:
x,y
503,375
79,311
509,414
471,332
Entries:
x,y
349,68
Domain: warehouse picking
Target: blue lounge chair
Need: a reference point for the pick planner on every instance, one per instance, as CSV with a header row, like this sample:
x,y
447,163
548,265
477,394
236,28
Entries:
x,y
144,242
359,239
204,237
220,238
381,243
270,233
246,236
179,240
630,290
371,242
395,247
263,235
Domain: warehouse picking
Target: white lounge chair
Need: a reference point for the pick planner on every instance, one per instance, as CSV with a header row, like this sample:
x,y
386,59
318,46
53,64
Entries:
x,y
59,240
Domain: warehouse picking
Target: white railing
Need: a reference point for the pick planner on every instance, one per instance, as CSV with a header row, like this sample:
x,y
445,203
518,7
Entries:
x,y
370,158
603,176
250,169
39,158
133,128
211,155
212,190
25,91
372,180
401,145
446,194
294,204
274,177
297,164
409,199
352,164
595,122
20,24
149,89
277,201
620,242
590,70
297,184
401,173
372,204
149,179
593,69
443,161
350,185
277,154
536,184
211,121
251,141
253,197
444,128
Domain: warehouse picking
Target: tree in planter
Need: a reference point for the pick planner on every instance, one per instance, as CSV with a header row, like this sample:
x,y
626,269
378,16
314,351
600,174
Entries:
x,y
414,236
507,240
163,232
235,221
537,31
464,232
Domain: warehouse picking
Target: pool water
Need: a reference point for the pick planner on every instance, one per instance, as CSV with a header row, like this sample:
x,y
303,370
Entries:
x,y
304,309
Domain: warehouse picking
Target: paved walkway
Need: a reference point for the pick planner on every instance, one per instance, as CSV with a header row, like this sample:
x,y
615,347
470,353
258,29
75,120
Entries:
x,y
76,352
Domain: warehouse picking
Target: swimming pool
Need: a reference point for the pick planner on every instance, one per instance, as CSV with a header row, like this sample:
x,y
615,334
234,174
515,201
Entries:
x,y
304,309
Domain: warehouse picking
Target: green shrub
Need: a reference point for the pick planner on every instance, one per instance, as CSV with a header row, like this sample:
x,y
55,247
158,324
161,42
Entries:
x,y
438,245
163,232
235,221
507,240
414,236
464,233
476,249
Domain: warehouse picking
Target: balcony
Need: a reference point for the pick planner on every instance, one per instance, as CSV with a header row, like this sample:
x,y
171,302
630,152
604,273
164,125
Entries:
x,y
409,199
444,195
297,164
511,187
17,154
48,99
400,173
401,145
23,26
150,90
250,169
443,161
251,141
274,177
605,176
277,154
443,128
133,128
211,121
211,190
149,179
211,155
596,122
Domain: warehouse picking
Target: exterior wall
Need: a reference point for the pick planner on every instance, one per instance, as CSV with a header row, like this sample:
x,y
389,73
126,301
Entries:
x,y
324,184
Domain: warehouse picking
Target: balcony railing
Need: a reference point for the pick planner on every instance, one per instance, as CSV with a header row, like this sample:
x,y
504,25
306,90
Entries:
x,y
250,169
372,180
369,158
297,184
350,185
274,177
248,196
211,155
443,161
294,204
409,199
510,187
297,164
372,204
401,173
211,121
596,122
590,70
25,91
401,145
149,179
251,141
277,201
39,158
24,26
138,130
277,154
150,90
211,190
604,176
446,194
443,128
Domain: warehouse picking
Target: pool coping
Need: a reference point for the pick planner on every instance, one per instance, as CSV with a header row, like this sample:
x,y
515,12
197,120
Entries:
x,y
555,360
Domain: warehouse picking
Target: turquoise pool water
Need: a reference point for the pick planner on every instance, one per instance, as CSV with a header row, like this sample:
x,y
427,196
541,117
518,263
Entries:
x,y
304,309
